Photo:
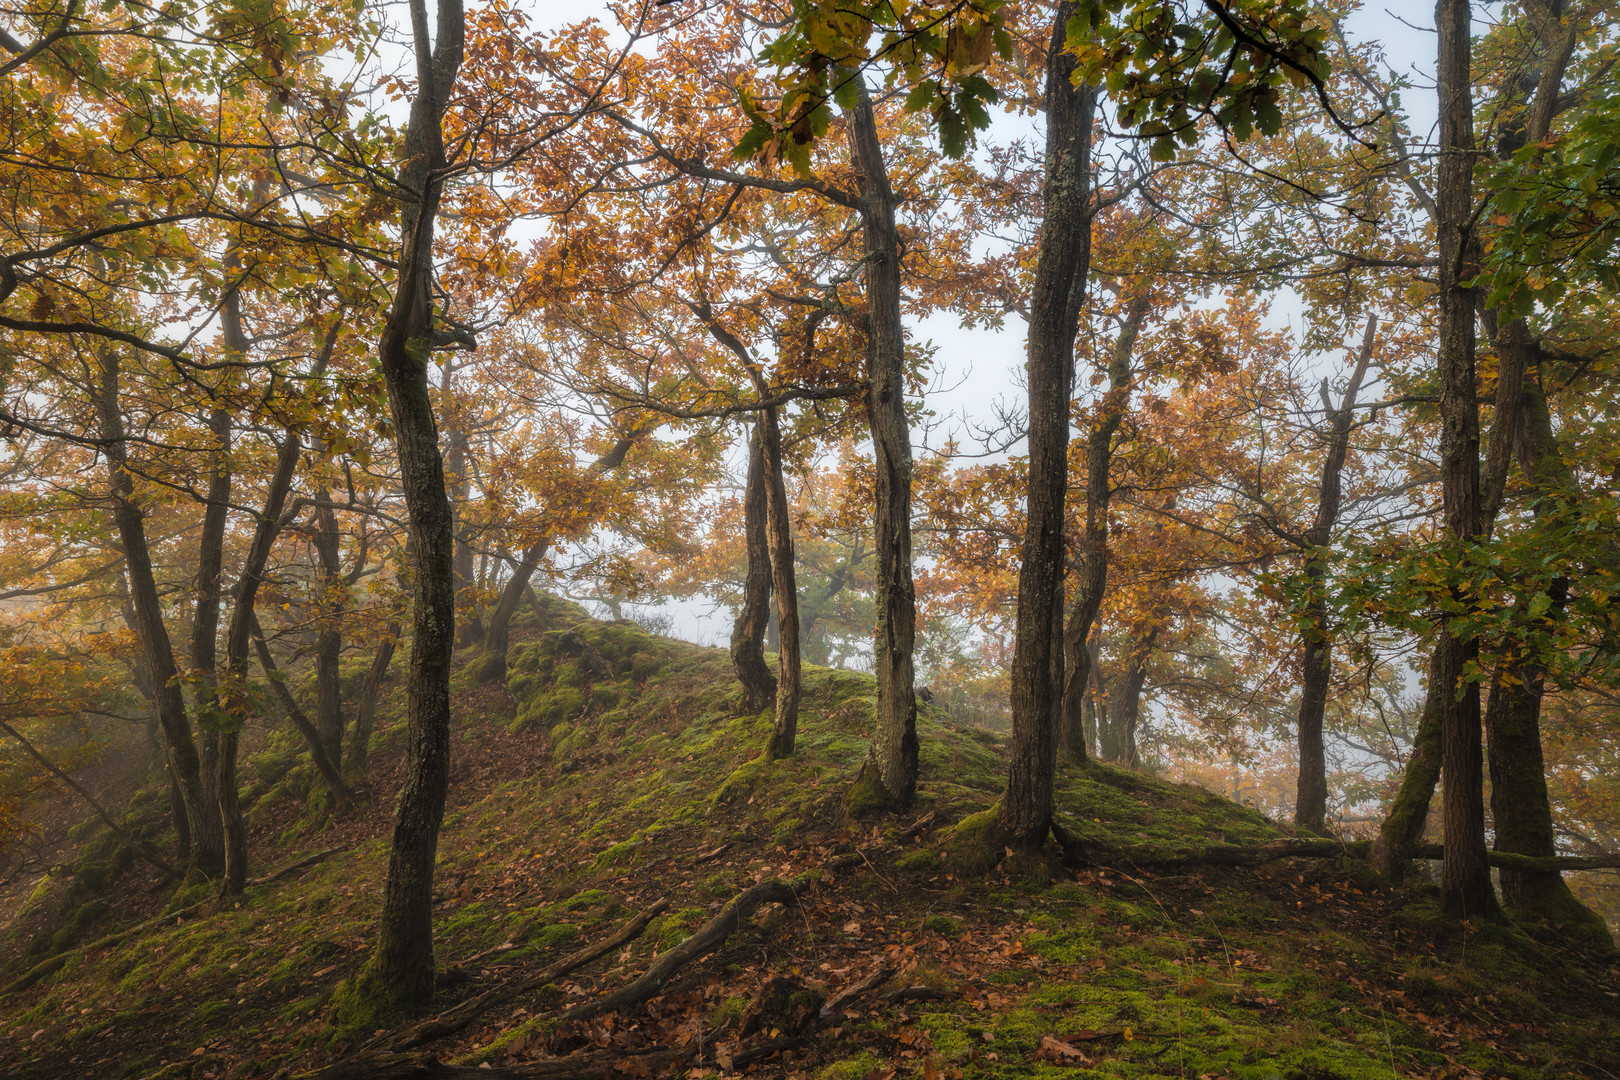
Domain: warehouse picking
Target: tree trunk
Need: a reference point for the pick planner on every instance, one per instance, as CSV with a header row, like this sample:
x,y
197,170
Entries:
x,y
202,823
779,533
1520,808
399,974
366,713
210,572
1465,887
333,598
894,737
748,632
1310,796
1402,828
498,636
470,628
1128,706
1092,576
295,714
1062,266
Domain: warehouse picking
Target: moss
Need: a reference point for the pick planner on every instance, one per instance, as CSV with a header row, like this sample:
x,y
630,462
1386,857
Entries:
x,y
855,1068
974,845
867,796
920,861
943,925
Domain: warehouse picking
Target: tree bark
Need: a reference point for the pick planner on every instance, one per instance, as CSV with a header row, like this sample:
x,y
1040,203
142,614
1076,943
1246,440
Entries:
x,y
400,972
754,614
894,737
1310,796
1465,887
1062,267
370,690
1402,828
330,604
1091,579
779,534
498,635
210,574
296,715
470,628
202,823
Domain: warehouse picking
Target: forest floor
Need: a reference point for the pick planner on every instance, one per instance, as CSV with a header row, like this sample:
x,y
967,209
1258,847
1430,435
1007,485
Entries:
x,y
611,774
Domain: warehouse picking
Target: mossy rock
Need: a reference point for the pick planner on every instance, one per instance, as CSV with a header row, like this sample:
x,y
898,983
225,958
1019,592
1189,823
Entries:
x,y
549,710
486,668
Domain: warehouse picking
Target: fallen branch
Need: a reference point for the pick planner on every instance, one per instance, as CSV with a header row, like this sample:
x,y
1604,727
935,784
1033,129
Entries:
x,y
308,860
920,993
710,937
921,825
849,994
453,1020
1272,850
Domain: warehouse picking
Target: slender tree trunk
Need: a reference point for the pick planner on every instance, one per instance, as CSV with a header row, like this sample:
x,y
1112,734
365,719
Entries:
x,y
202,823
1091,579
210,573
748,632
333,599
498,636
1310,797
470,626
1466,890
894,735
324,765
399,974
142,678
1062,266
1129,702
1402,828
779,533
370,690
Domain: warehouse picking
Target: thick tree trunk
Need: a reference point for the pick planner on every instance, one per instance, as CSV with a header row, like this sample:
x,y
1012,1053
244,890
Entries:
x,y
1062,266
400,972
333,599
894,737
366,713
754,614
1520,808
202,822
1466,890
1091,578
1310,796
779,533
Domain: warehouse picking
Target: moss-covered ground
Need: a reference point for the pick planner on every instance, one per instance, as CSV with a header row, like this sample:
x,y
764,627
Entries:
x,y
612,771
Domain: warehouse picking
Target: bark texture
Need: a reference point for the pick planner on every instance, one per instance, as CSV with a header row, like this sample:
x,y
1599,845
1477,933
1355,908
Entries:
x,y
1402,828
1054,313
894,737
1465,885
754,614
779,534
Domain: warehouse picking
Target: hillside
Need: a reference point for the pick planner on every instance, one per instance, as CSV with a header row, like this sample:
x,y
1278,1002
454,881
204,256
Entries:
x,y
610,776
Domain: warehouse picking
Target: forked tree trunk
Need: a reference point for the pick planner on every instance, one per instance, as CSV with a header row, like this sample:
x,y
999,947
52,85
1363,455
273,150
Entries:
x,y
202,820
399,974
754,614
1061,269
1465,886
779,533
1091,578
893,757
1310,795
